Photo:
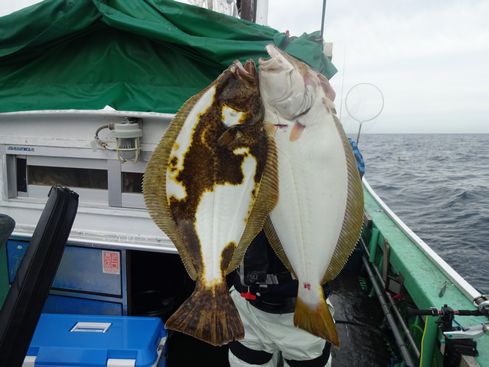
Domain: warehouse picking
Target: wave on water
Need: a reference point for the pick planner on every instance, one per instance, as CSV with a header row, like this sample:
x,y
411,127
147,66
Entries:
x,y
439,186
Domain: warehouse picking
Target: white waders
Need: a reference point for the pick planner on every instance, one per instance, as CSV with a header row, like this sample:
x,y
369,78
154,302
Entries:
x,y
266,334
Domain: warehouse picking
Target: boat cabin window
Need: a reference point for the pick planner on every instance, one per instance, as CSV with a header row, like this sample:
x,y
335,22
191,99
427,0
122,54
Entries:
x,y
132,182
66,176
103,182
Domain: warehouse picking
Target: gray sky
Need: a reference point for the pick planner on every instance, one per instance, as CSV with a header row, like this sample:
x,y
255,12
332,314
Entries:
x,y
429,58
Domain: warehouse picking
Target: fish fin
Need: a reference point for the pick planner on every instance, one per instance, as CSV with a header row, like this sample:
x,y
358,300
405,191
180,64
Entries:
x,y
227,136
296,131
270,128
277,247
231,135
317,320
265,201
209,314
353,220
154,184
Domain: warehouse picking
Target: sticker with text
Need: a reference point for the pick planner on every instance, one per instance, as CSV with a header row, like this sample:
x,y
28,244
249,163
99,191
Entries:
x,y
111,262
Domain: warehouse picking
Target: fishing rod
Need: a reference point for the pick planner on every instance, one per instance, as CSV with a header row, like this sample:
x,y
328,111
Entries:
x,y
447,315
447,310
380,296
398,338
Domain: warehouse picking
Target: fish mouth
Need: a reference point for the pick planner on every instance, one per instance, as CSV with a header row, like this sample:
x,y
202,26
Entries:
x,y
273,51
265,63
246,72
268,63
277,61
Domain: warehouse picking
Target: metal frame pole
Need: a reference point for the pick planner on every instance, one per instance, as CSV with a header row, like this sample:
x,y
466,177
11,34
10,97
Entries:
x,y
406,356
322,19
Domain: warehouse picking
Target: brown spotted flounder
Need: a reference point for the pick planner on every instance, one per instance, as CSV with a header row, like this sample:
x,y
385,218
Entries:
x,y
209,186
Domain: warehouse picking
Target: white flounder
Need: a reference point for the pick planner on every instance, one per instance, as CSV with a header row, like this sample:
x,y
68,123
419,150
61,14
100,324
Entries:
x,y
317,220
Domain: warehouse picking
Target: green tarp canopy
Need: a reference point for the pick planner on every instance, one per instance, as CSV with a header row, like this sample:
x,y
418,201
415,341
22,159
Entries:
x,y
144,55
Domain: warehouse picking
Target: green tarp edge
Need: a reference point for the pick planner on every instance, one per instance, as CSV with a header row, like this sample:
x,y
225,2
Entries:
x,y
147,55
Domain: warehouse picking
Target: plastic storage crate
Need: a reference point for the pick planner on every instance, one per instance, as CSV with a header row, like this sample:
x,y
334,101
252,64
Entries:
x,y
97,341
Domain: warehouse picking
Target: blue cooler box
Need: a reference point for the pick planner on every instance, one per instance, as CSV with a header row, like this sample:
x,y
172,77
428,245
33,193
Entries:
x,y
97,341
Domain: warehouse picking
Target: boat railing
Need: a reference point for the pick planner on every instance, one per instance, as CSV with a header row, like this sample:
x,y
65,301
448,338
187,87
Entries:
x,y
465,287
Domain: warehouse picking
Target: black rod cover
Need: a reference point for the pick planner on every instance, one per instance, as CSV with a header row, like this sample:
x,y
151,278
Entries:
x,y
28,292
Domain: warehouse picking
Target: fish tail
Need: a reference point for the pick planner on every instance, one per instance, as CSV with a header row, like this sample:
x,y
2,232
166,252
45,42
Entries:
x,y
316,319
209,314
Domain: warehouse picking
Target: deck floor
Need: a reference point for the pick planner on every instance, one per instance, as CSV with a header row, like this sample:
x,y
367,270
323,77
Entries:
x,y
359,324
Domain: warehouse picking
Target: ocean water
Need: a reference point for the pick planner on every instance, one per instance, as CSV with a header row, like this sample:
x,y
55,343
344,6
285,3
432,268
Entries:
x,y
439,186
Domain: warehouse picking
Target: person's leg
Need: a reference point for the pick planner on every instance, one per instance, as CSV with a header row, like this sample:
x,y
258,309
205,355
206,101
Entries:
x,y
255,349
237,362
299,348
308,359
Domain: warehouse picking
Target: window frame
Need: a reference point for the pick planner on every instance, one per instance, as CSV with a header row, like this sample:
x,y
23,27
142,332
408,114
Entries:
x,y
60,157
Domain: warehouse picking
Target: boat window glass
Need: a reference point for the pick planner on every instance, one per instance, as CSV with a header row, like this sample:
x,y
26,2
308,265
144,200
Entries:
x,y
21,164
67,176
132,182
